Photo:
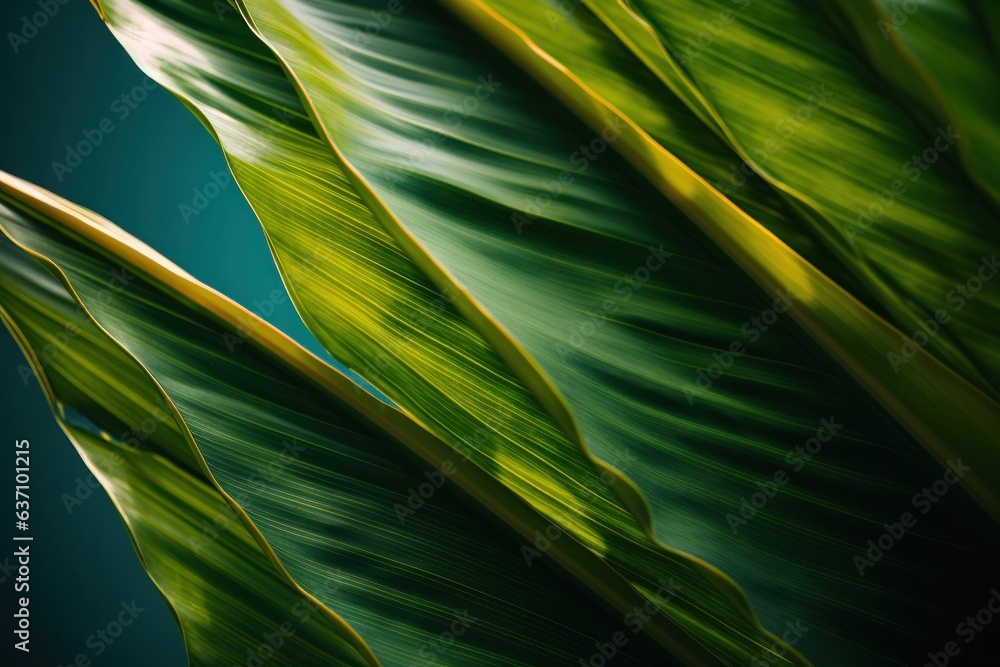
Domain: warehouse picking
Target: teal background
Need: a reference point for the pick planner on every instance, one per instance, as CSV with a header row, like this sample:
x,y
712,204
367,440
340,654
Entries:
x,y
59,84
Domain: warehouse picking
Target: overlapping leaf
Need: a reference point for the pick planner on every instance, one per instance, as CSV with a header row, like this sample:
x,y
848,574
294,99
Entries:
x,y
325,488
227,593
940,57
428,168
400,332
879,184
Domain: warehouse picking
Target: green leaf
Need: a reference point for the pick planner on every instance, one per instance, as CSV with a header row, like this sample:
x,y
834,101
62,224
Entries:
x,y
940,56
229,594
798,105
433,205
323,493
378,312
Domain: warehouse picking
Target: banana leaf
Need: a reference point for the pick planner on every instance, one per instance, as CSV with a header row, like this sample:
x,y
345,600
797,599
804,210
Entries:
x,y
262,490
414,160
